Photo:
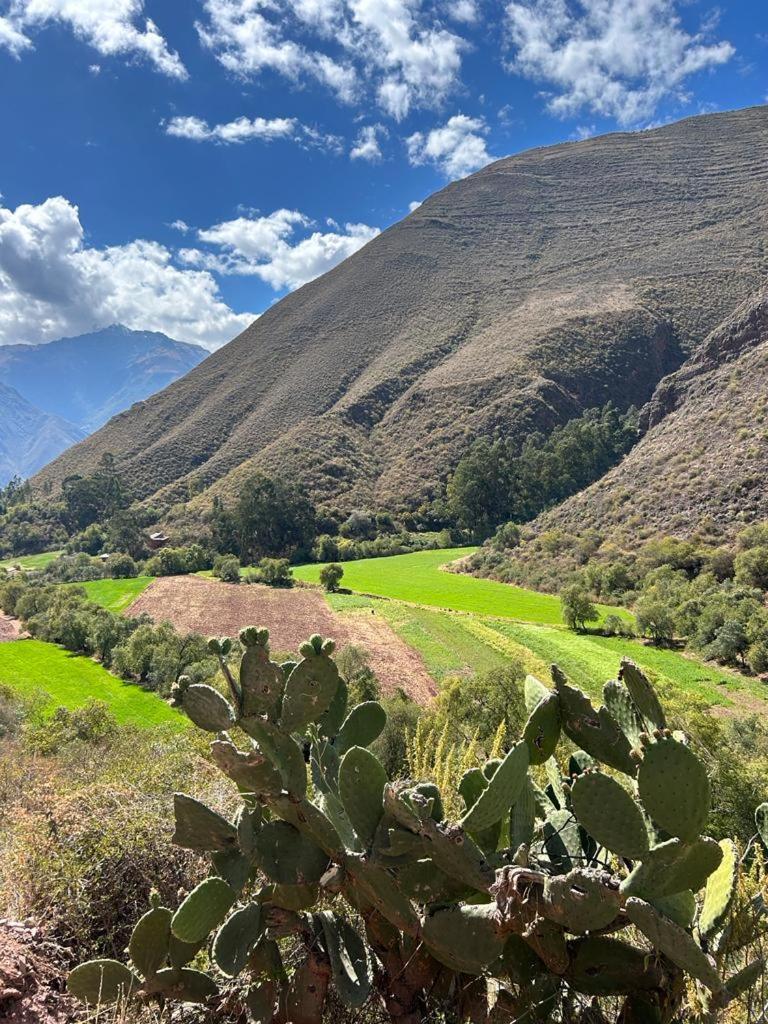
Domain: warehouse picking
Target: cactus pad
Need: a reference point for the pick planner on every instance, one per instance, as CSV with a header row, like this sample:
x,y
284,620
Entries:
x,y
249,769
522,817
380,889
542,730
720,890
350,960
744,979
200,828
464,938
186,985
236,938
260,1000
261,681
604,966
333,719
674,942
150,941
208,709
500,793
282,750
680,907
582,900
102,982
361,784
643,695
362,726
288,857
761,822
203,910
672,867
623,709
596,732
674,787
609,814
309,691
534,691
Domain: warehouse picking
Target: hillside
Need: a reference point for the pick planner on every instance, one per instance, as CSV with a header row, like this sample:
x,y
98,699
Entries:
x,y
548,282
705,454
105,372
29,437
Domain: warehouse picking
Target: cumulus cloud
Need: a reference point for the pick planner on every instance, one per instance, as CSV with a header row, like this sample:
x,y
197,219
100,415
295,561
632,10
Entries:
x,y
53,284
457,148
267,247
616,58
463,10
111,27
367,145
397,48
242,129
246,129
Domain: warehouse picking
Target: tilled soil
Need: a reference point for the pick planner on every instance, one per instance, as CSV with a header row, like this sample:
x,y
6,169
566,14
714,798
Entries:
x,y
32,977
196,604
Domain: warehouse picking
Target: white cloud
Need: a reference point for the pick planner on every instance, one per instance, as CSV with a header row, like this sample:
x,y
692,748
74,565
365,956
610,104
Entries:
x,y
367,145
397,47
246,129
463,10
52,284
111,27
246,43
242,129
615,58
266,247
414,205
457,148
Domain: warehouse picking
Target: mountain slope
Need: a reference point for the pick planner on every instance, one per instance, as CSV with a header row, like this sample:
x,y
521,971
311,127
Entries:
x,y
705,455
547,282
104,372
29,437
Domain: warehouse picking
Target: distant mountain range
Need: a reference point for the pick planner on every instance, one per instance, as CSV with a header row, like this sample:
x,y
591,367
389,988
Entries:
x,y
56,394
547,283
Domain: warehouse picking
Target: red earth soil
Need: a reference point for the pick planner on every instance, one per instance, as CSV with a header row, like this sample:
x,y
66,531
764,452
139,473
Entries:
x,y
32,977
196,604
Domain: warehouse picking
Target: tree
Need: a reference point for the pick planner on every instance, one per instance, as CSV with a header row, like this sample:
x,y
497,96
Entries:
x,y
752,567
272,518
275,572
479,491
577,607
655,618
330,577
227,568
121,566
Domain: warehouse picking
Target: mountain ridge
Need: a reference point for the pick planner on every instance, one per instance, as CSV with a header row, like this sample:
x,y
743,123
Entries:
x,y
29,437
511,300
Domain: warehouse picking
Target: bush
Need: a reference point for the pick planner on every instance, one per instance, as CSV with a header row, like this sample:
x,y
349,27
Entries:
x,y
655,619
121,567
615,625
227,568
354,664
273,572
93,723
178,561
506,537
359,526
156,656
330,577
325,548
79,568
577,607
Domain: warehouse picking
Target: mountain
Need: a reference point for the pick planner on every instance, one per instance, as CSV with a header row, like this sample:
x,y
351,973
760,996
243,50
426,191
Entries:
x,y
29,437
102,373
704,457
545,283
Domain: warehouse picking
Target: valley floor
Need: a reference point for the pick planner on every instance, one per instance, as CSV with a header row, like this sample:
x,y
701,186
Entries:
x,y
420,623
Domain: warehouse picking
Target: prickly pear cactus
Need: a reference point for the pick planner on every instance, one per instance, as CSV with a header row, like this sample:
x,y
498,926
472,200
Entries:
x,y
577,885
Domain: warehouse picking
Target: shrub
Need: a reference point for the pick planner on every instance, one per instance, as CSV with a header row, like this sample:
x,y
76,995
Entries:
x,y
178,561
120,566
359,526
325,548
577,607
354,664
655,619
330,577
506,537
227,568
273,572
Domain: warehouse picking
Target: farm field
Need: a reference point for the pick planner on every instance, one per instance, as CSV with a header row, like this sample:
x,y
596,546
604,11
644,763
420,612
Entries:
x,y
30,561
419,578
116,595
34,668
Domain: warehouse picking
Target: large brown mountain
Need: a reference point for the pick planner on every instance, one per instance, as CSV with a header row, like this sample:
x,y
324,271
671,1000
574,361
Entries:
x,y
547,282
704,458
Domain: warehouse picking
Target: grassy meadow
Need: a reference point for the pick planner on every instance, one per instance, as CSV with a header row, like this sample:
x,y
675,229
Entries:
x,y
420,578
116,595
60,679
30,562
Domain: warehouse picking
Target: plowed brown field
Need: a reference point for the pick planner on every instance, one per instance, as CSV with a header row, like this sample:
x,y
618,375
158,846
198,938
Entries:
x,y
195,604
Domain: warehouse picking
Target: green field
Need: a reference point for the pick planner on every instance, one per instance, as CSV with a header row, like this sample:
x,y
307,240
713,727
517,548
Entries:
x,y
420,579
30,561
34,668
116,595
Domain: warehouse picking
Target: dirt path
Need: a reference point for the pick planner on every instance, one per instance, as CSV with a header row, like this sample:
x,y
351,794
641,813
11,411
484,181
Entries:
x,y
10,629
196,604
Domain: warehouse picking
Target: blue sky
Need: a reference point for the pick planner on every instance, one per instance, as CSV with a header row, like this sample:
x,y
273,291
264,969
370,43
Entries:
x,y
180,166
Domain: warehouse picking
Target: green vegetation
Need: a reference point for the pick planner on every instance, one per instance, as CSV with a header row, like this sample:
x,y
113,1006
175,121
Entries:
x,y
30,563
116,595
436,864
47,673
501,481
421,579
